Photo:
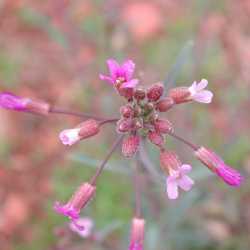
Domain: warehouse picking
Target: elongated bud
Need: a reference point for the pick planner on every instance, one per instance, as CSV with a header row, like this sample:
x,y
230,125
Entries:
x,y
78,201
126,111
84,130
163,126
124,125
130,145
229,175
165,104
13,102
155,92
169,160
137,234
156,138
180,95
139,94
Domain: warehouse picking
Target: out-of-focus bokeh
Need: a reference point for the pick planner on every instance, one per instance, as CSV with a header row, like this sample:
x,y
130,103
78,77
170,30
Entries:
x,y
54,50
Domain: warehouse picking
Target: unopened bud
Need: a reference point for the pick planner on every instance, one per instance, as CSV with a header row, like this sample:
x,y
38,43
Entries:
x,y
156,138
126,111
139,94
137,234
155,92
130,145
124,125
127,93
163,126
165,104
137,124
169,161
180,95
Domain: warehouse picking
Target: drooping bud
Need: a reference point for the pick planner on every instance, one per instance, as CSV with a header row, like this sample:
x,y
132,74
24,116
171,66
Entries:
x,y
165,104
124,125
229,175
78,201
156,138
180,95
169,161
126,111
137,234
130,145
155,92
139,94
13,102
84,130
163,126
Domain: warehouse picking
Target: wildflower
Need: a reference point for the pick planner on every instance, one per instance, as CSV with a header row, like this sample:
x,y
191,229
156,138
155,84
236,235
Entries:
x,y
195,92
120,75
13,102
77,202
86,226
137,234
130,145
229,175
84,130
171,165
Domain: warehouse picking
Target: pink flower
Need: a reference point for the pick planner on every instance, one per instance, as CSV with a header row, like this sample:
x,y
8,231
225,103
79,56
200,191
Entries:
x,y
120,75
86,226
70,136
198,94
77,202
179,178
137,234
10,101
229,175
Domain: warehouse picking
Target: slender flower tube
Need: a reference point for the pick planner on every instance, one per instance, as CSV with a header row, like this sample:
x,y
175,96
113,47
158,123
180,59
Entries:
x,y
78,201
196,92
130,145
177,174
120,75
84,130
137,234
229,175
13,102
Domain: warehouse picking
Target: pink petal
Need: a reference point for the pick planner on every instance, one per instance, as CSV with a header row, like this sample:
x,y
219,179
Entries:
x,y
129,68
113,67
185,183
82,226
130,84
205,96
106,78
201,85
172,188
185,168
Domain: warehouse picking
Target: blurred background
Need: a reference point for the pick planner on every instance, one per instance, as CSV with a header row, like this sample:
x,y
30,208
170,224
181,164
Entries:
x,y
54,50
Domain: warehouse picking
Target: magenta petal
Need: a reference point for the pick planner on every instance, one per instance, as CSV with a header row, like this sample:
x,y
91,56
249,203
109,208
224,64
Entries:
x,y
185,168
131,84
129,68
113,67
172,188
185,183
135,246
66,211
106,78
10,101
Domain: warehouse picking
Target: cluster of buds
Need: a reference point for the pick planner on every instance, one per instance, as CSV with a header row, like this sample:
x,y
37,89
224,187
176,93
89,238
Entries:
x,y
139,119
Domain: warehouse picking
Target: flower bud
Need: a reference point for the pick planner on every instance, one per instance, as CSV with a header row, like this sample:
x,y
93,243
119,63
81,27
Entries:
x,y
130,145
229,175
155,92
180,95
124,125
156,138
126,111
13,102
127,93
137,124
82,131
165,104
137,234
139,94
163,126
169,161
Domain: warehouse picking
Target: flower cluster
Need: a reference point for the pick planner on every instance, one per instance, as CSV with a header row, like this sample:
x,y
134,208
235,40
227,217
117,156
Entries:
x,y
139,120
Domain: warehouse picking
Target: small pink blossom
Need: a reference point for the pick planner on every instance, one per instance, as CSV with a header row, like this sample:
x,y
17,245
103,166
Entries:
x,y
120,75
137,234
70,136
199,94
179,178
10,101
86,226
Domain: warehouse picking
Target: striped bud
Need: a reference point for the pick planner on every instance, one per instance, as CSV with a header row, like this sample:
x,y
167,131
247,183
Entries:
x,y
156,138
163,126
180,94
155,92
124,125
139,94
126,111
165,104
169,161
130,145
